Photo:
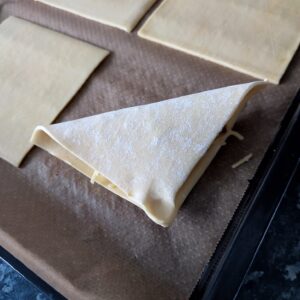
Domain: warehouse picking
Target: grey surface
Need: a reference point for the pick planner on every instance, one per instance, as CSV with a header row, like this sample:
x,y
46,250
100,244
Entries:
x,y
15,287
275,272
89,243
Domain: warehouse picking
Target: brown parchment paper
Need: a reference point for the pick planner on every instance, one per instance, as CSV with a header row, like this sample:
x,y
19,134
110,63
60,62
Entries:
x,y
91,244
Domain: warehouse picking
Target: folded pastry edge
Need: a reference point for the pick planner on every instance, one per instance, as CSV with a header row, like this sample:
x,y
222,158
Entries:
x,y
213,149
165,215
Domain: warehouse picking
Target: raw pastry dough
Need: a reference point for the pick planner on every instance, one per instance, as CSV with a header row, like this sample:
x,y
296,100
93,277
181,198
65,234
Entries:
x,y
40,71
152,155
123,14
258,38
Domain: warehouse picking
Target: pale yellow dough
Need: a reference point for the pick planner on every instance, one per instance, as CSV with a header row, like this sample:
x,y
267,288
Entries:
x,y
258,38
123,14
40,71
151,155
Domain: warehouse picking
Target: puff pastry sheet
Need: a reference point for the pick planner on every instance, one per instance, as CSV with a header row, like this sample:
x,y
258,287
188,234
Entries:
x,y
258,38
123,14
151,155
40,71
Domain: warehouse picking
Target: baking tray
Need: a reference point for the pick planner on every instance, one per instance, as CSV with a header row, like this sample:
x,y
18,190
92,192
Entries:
x,y
70,232
236,251
234,255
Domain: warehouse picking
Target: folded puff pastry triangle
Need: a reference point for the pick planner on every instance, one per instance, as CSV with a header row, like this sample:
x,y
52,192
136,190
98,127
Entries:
x,y
151,155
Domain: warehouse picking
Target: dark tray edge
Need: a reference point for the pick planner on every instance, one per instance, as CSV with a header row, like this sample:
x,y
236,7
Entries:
x,y
233,256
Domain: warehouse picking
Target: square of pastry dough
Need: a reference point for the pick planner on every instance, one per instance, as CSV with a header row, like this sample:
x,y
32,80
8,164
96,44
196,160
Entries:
x,y
258,38
40,72
123,14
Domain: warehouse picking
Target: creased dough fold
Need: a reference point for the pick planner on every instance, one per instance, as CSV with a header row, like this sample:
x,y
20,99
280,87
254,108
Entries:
x,y
151,155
